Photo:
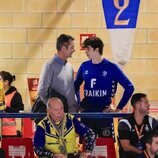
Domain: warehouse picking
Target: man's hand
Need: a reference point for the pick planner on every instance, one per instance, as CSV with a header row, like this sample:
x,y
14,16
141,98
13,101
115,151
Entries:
x,y
111,109
81,109
85,155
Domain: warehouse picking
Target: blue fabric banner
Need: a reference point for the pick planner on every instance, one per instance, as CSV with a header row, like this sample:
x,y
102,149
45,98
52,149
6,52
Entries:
x,y
120,13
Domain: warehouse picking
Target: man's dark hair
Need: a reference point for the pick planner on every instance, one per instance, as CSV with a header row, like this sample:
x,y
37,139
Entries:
x,y
63,40
137,97
94,42
148,138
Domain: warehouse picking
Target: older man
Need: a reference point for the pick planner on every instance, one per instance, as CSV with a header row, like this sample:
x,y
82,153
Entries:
x,y
56,133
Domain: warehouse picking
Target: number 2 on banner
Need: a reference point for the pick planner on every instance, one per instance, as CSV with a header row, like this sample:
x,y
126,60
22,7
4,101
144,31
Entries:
x,y
121,9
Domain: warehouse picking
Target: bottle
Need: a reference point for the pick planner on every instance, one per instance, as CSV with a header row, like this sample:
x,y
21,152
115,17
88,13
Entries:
x,y
2,97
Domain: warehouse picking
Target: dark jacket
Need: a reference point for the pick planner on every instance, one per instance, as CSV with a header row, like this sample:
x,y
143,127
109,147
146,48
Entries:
x,y
16,102
38,107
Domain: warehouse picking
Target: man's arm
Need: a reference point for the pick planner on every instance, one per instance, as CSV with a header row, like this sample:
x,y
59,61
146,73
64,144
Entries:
x,y
128,147
77,83
39,143
86,133
124,132
78,79
44,82
122,79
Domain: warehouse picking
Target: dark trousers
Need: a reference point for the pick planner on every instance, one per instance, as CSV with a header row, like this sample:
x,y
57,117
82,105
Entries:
x,y
103,127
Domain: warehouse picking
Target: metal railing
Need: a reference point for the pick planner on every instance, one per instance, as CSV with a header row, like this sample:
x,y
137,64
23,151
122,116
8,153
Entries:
x,y
82,115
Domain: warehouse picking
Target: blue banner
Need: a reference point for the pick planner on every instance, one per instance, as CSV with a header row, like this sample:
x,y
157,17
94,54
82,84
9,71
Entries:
x,y
120,13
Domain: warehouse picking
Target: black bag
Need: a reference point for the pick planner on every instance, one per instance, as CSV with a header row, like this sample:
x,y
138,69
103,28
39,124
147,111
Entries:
x,y
38,107
53,93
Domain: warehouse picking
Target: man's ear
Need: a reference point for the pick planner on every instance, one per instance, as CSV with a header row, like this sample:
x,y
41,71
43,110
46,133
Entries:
x,y
147,145
63,48
97,49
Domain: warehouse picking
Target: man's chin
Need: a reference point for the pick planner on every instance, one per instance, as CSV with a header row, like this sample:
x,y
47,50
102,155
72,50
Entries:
x,y
60,119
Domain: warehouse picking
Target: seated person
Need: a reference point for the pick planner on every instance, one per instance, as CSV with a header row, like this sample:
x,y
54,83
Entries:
x,y
55,136
151,144
133,128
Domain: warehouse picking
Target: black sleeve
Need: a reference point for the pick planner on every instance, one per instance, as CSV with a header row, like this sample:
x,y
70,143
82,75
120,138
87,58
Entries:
x,y
16,104
124,134
155,123
123,129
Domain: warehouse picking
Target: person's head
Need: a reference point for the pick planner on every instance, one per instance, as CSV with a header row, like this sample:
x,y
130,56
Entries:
x,y
55,109
93,45
151,142
65,44
6,78
140,101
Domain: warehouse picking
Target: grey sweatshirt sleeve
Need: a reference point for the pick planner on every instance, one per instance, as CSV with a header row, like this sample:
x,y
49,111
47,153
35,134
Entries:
x,y
45,82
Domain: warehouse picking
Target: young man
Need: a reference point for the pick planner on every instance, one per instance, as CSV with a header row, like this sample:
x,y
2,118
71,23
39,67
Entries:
x,y
133,128
151,144
100,78
56,134
58,75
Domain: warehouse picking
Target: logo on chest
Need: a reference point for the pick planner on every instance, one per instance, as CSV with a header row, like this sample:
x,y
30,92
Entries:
x,y
147,128
104,73
86,72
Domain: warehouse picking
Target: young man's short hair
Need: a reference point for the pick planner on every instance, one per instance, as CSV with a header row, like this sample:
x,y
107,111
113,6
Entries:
x,y
137,97
94,42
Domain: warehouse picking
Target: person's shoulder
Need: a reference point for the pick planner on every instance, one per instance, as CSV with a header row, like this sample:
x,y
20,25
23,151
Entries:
x,y
43,122
51,61
149,119
152,121
86,63
123,121
110,64
68,115
106,61
12,89
124,124
126,121
17,93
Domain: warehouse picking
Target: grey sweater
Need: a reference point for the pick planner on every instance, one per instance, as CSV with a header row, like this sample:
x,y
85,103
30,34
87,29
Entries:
x,y
60,77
